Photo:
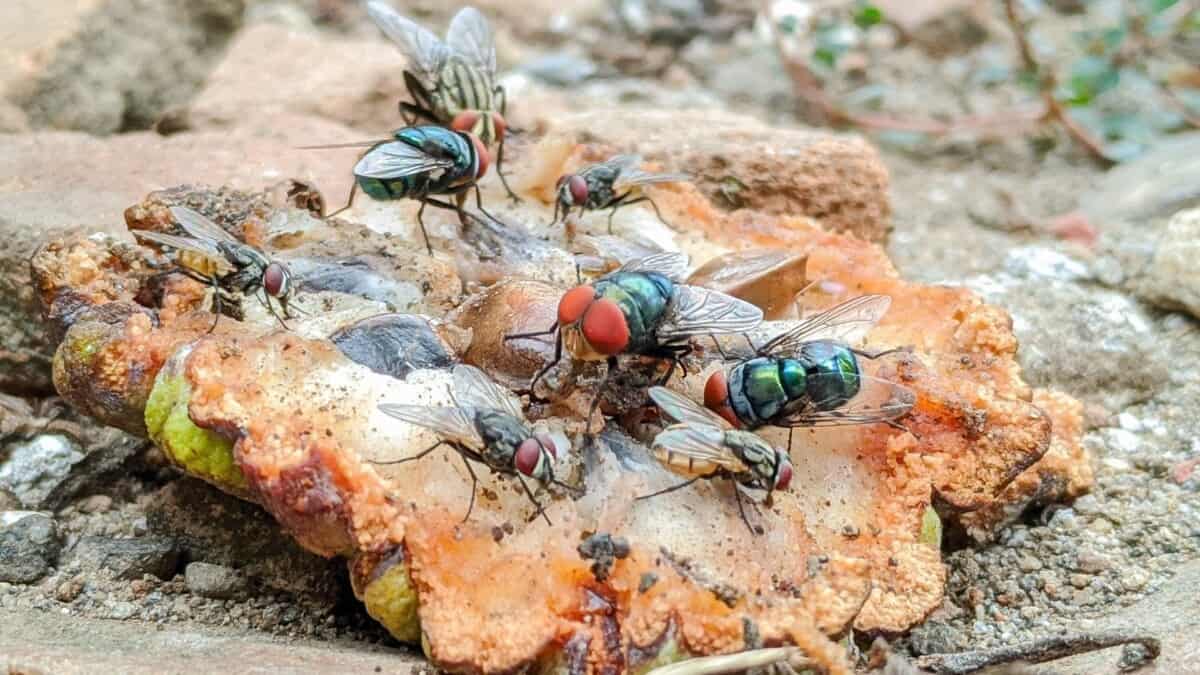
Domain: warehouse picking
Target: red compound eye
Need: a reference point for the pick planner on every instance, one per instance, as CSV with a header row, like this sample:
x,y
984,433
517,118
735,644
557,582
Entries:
x,y
482,153
465,121
579,189
574,303
499,125
716,397
783,477
547,443
604,327
275,280
529,455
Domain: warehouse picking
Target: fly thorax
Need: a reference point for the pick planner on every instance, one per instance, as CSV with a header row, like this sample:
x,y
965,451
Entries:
x,y
832,372
741,405
501,434
762,387
755,453
643,299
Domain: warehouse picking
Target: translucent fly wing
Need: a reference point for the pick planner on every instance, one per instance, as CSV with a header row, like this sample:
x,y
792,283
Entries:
x,y
425,53
704,444
470,37
634,177
877,401
452,424
700,311
200,227
848,322
473,388
684,410
673,266
397,159
199,247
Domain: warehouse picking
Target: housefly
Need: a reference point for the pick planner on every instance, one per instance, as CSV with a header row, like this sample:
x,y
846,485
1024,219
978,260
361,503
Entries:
x,y
641,308
417,163
212,256
452,83
610,185
485,425
704,445
810,376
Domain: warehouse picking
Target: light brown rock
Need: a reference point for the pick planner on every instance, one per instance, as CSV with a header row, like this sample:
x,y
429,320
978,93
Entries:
x,y
742,163
272,70
106,65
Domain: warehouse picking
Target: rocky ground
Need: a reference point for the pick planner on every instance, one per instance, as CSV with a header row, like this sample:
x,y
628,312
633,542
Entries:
x,y
1095,266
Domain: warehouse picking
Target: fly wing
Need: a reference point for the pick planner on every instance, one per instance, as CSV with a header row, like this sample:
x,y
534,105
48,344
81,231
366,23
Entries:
x,y
684,410
471,37
426,54
671,265
704,443
877,401
700,311
474,388
848,322
452,424
397,159
200,227
633,177
203,248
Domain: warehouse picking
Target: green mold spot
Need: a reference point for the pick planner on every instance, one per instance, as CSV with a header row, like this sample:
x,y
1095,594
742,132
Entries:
x,y
200,452
392,601
931,528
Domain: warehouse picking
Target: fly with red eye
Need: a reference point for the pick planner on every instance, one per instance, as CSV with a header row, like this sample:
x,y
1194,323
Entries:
x,y
232,267
610,184
486,425
421,163
640,309
700,445
451,82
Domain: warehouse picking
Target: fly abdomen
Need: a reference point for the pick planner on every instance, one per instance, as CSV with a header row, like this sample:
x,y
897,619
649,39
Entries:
x,y
683,464
832,372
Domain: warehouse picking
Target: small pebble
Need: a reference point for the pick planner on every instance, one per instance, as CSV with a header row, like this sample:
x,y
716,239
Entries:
x,y
1029,563
96,504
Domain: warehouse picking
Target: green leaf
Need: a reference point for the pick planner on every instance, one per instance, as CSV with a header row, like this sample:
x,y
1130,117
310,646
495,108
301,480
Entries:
x,y
867,15
1159,6
1090,77
788,24
825,56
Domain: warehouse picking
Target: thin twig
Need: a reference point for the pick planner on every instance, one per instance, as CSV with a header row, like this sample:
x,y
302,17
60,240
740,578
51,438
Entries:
x,y
1038,651
1047,82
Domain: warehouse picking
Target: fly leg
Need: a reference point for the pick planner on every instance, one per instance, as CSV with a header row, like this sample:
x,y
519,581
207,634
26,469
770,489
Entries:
x,y
616,204
421,107
553,329
271,308
791,430
501,99
216,304
608,373
417,456
421,222
737,495
349,200
879,354
474,486
720,349
673,488
676,355
541,510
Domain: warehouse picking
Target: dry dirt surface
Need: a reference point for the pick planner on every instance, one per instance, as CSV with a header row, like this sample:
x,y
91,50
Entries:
x,y
121,564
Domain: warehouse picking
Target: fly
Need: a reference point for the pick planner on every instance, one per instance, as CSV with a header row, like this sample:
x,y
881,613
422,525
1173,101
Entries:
x,y
641,308
212,256
610,184
485,425
451,82
810,376
703,445
417,163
